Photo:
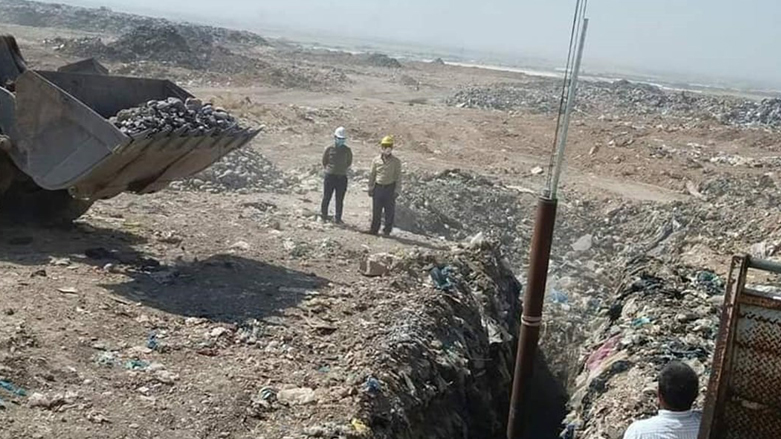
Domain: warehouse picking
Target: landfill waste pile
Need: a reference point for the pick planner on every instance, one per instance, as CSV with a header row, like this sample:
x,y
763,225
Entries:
x,y
660,313
242,170
448,353
143,50
456,205
622,99
173,114
165,44
751,113
104,20
381,60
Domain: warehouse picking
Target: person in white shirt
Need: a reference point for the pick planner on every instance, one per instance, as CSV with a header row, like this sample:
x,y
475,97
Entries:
x,y
678,389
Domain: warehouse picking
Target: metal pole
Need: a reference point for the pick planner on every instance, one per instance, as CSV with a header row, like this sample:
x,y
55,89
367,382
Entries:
x,y
532,315
539,259
553,190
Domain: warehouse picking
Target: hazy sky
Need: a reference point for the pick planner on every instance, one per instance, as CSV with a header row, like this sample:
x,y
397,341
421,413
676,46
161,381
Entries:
x,y
710,37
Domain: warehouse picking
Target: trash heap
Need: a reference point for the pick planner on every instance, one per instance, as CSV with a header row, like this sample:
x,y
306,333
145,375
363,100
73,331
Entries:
x,y
442,364
621,98
446,355
380,60
661,312
104,20
173,114
455,204
243,171
751,113
164,43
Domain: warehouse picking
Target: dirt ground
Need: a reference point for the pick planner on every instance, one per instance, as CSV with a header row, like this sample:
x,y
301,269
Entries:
x,y
138,321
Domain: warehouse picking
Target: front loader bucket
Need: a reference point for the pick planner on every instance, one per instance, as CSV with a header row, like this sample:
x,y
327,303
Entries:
x,y
63,139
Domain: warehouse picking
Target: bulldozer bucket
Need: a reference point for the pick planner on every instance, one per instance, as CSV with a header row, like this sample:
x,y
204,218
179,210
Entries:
x,y
63,139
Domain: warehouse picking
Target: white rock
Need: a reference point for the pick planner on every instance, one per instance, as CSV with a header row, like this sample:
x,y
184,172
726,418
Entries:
x,y
299,396
583,243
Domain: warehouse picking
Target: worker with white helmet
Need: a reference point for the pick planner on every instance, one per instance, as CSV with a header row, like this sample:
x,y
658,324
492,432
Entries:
x,y
384,187
337,160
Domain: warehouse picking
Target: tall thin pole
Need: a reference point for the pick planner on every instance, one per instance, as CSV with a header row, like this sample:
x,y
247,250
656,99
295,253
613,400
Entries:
x,y
539,260
567,113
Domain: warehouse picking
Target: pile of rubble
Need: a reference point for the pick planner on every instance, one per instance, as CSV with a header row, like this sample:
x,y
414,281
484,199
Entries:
x,y
456,205
621,99
766,113
243,171
106,21
661,313
380,60
173,114
166,44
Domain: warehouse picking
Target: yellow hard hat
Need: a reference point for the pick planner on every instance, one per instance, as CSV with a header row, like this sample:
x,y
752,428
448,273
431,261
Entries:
x,y
387,141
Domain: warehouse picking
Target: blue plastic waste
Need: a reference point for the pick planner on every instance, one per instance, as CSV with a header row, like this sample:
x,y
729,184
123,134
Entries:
x,y
442,278
136,365
557,296
373,385
18,391
151,341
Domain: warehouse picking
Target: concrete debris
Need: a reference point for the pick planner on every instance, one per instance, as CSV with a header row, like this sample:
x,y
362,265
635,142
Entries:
x,y
173,114
377,265
299,396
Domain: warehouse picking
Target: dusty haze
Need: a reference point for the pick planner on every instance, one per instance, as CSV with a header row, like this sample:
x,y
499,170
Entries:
x,y
695,39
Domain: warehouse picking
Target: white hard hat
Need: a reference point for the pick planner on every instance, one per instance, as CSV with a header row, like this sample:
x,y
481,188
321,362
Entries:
x,y
339,133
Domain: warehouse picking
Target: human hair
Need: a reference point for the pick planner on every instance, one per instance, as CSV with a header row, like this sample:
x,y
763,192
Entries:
x,y
678,386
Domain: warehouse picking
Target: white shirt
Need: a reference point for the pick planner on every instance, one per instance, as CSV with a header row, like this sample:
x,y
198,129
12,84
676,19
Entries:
x,y
666,425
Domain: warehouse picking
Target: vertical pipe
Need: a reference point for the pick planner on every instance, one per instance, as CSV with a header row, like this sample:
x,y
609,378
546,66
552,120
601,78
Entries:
x,y
565,124
532,315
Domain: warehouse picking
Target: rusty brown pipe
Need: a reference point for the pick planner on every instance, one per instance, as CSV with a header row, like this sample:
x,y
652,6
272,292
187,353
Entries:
x,y
531,318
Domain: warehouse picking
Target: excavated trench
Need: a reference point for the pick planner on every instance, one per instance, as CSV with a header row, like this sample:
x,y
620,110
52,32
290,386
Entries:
x,y
449,366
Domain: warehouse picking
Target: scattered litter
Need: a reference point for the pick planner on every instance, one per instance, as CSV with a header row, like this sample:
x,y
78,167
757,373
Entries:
x,y
68,290
151,341
136,364
558,296
18,391
107,358
372,385
359,426
268,394
442,278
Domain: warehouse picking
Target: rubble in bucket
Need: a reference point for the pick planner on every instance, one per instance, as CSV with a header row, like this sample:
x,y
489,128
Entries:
x,y
174,114
661,313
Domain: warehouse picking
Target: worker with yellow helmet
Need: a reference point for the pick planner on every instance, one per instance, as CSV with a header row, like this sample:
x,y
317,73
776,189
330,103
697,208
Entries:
x,y
384,187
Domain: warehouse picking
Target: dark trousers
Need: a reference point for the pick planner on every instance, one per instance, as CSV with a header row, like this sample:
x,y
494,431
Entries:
x,y
338,184
384,199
